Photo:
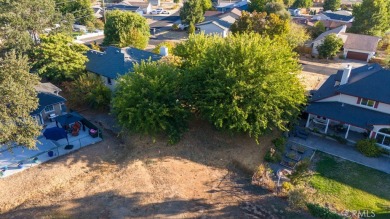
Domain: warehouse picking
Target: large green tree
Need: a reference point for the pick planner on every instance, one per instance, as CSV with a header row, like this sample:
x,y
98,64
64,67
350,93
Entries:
x,y
270,25
124,29
148,101
81,9
372,17
243,83
18,100
23,21
332,5
192,12
330,47
302,3
59,58
267,25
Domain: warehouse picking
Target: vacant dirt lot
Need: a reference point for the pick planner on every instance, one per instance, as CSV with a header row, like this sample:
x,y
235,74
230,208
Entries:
x,y
137,178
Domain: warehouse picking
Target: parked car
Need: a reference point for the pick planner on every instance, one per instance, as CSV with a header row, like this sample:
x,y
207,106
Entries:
x,y
159,10
154,12
164,12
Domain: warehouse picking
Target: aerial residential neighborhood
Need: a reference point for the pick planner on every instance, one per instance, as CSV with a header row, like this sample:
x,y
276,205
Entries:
x,y
195,109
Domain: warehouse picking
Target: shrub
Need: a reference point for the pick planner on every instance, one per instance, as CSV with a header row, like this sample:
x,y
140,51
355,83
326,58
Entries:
x,y
324,213
89,89
273,156
297,199
262,177
368,147
340,139
287,187
280,144
175,27
300,172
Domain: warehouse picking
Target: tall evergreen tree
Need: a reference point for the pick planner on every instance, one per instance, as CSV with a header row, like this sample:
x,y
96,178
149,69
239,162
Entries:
x,y
192,12
372,17
18,100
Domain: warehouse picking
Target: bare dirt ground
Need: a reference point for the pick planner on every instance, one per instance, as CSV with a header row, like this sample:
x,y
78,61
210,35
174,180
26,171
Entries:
x,y
135,177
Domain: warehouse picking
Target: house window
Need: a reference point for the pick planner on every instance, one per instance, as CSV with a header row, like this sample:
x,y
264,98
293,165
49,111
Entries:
x,y
367,102
109,81
49,109
383,137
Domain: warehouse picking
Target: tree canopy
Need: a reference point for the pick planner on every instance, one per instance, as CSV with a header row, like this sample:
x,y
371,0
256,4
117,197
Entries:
x,y
59,58
18,100
302,3
372,17
332,5
267,25
81,10
147,101
124,29
258,5
192,12
243,83
23,21
277,8
330,47
271,26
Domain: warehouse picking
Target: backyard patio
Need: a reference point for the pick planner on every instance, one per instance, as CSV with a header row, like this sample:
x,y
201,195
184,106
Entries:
x,y
19,158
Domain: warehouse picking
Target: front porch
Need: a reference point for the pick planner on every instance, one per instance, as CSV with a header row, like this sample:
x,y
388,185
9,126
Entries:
x,y
336,128
346,152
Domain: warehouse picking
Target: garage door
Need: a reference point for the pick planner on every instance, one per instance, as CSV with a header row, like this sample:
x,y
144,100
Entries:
x,y
357,56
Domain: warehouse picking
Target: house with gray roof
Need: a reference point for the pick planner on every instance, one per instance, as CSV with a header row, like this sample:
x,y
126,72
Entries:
x,y
115,62
50,103
219,23
353,104
341,16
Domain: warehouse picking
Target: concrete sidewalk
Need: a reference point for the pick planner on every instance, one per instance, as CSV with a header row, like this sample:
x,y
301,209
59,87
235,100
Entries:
x,y
346,152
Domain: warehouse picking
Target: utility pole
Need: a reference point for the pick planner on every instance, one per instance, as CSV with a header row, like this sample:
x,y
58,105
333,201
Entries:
x,y
104,11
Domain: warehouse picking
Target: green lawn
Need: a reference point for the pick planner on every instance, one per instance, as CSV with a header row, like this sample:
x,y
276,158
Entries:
x,y
350,186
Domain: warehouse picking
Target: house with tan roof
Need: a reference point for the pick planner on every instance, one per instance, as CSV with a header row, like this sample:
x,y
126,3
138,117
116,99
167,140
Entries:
x,y
356,46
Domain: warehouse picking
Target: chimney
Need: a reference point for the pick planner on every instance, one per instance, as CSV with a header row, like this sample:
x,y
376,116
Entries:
x,y
164,51
346,73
